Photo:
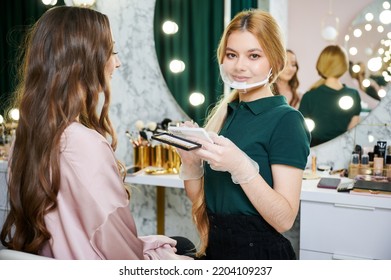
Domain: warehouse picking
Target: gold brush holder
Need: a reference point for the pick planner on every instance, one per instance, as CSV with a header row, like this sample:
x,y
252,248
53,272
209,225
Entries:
x,y
141,156
162,156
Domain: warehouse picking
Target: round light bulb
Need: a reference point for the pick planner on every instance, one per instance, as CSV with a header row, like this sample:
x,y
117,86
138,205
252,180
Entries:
x,y
196,98
329,33
346,102
310,124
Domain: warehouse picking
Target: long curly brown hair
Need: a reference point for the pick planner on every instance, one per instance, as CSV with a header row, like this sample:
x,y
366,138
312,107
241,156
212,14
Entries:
x,y
62,76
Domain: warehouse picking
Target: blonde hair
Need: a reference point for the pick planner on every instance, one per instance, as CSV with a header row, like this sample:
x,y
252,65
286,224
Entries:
x,y
265,28
332,62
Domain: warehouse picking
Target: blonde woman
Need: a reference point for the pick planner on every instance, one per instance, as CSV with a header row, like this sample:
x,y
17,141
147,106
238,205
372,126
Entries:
x,y
333,106
245,186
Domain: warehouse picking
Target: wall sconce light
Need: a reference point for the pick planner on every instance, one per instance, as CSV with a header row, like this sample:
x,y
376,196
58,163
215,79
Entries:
x,y
330,25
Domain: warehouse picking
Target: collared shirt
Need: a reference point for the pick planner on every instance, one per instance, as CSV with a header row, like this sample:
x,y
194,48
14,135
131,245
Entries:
x,y
270,132
322,105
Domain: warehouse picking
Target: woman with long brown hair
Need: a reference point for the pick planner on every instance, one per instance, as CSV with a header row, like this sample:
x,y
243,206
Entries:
x,y
66,192
287,83
245,187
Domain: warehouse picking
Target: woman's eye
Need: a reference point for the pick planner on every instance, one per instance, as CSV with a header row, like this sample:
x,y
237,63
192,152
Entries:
x,y
230,55
254,56
114,53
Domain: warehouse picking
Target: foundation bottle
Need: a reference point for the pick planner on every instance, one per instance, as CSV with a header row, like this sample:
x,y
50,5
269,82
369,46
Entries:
x,y
371,157
378,166
365,168
354,166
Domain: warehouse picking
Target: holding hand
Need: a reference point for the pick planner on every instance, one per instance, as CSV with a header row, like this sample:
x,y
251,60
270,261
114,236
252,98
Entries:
x,y
224,155
191,165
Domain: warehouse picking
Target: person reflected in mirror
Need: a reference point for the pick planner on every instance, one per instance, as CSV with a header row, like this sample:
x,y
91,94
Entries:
x,y
287,83
369,93
245,186
66,191
331,105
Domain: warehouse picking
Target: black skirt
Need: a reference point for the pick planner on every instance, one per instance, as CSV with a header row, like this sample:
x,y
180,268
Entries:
x,y
240,237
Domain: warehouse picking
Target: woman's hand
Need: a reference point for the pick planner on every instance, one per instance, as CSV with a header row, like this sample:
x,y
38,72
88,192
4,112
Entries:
x,y
191,165
224,155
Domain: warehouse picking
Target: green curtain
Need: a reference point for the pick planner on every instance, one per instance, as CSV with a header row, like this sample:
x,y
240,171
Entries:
x,y
201,24
16,17
240,5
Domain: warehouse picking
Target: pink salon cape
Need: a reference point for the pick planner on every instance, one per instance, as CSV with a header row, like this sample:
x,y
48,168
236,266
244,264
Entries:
x,y
93,219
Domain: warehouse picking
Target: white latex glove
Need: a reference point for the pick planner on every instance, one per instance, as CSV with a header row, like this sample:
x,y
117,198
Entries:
x,y
192,167
224,155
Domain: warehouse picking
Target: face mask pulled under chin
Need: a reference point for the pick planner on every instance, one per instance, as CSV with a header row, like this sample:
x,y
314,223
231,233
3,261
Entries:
x,y
241,85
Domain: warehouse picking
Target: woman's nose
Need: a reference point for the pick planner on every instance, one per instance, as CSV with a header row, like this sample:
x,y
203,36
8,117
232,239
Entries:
x,y
117,62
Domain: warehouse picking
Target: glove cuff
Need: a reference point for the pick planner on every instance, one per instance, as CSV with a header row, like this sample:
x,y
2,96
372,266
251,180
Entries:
x,y
191,172
249,171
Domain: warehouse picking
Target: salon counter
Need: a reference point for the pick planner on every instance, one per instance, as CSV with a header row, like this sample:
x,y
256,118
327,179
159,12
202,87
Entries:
x,y
333,225
339,225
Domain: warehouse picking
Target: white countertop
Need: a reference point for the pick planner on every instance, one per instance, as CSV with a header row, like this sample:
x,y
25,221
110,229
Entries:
x,y
309,191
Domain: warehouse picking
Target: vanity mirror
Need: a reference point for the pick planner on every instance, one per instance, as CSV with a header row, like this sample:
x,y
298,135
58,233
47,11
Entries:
x,y
368,42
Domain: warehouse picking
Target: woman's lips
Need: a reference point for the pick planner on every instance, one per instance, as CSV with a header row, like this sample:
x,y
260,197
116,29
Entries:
x,y
240,79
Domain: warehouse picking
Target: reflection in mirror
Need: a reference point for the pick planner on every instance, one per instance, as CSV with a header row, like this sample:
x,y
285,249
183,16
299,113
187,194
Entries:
x,y
368,42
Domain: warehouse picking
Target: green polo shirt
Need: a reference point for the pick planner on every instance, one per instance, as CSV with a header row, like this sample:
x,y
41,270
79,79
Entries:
x,y
270,132
322,106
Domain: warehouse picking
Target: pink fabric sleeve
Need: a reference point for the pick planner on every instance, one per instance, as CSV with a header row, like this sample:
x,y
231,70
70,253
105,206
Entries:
x,y
93,219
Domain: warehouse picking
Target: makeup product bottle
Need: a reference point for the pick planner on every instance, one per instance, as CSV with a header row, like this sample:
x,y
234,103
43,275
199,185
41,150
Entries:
x,y
382,148
313,164
388,166
354,166
371,157
378,163
365,169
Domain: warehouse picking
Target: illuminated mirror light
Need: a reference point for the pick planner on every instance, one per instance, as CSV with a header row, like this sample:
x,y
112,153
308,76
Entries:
x,y
389,35
374,64
357,32
83,3
196,98
177,66
346,102
371,138
353,51
381,92
310,124
14,114
380,29
369,17
1,119
170,27
386,5
368,27
366,83
49,2
356,68
347,38
385,17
